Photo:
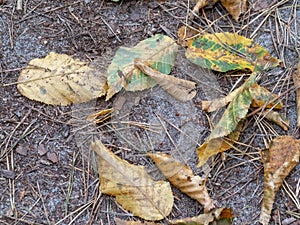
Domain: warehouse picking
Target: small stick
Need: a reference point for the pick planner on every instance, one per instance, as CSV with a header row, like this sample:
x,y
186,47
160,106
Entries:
x,y
296,79
19,5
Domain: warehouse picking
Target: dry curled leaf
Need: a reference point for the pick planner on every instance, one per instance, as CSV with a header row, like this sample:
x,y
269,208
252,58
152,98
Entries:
x,y
127,222
221,216
281,157
277,118
182,177
296,79
133,188
182,90
234,7
58,79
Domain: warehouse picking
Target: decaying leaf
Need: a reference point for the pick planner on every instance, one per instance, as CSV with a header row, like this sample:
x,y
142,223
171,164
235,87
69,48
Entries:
x,y
134,189
127,222
182,90
182,177
101,116
221,216
235,112
281,157
58,79
214,146
234,7
296,79
277,118
226,51
262,97
160,50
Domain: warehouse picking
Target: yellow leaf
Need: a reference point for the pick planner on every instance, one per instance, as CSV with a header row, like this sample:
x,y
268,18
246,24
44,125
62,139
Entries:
x,y
58,79
234,7
214,146
182,177
182,90
134,189
221,216
278,160
296,79
126,222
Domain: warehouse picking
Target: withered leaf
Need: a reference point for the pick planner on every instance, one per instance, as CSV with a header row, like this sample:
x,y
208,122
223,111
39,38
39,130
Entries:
x,y
182,177
182,90
127,222
58,79
296,79
234,7
281,157
134,189
221,216
277,118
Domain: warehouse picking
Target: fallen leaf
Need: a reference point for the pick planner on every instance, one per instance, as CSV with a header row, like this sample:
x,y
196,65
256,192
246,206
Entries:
x,y
296,79
277,118
182,177
226,51
22,150
235,111
221,216
58,79
42,150
217,145
52,156
126,222
159,49
234,7
133,188
262,97
182,90
101,116
281,157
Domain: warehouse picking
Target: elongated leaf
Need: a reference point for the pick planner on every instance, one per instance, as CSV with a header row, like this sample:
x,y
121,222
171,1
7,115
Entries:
x,y
214,146
226,51
278,160
160,49
182,90
221,216
182,177
134,189
235,112
58,79
296,79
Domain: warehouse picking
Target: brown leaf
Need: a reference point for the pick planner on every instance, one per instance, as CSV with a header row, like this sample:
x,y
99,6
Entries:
x,y
134,189
234,7
281,157
126,222
22,150
182,90
296,79
277,118
221,216
182,177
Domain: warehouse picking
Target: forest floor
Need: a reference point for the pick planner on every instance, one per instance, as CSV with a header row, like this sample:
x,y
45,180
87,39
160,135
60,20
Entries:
x,y
47,172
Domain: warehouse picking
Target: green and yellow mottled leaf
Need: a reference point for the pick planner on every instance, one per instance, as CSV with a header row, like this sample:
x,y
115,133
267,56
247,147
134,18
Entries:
x,y
159,50
133,188
58,79
228,51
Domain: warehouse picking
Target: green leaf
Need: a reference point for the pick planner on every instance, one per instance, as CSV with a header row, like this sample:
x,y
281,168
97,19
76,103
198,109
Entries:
x,y
159,50
228,51
235,112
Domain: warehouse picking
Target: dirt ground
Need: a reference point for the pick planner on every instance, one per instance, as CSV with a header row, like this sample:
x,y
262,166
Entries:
x,y
47,173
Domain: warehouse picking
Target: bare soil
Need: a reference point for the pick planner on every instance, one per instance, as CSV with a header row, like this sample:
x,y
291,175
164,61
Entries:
x,y
47,172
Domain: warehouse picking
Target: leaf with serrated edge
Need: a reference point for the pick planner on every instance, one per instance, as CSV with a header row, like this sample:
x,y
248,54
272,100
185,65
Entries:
x,y
226,52
221,216
182,90
235,112
182,177
58,79
279,160
133,188
214,146
160,49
